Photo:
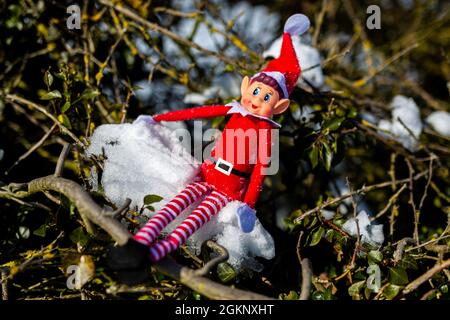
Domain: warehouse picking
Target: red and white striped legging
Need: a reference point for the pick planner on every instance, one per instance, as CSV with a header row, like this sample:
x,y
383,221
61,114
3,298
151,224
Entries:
x,y
210,206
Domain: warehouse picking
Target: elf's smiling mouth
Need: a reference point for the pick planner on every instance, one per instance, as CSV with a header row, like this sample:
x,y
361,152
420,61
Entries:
x,y
254,107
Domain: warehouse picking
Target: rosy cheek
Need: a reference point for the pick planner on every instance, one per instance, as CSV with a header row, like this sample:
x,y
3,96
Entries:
x,y
246,101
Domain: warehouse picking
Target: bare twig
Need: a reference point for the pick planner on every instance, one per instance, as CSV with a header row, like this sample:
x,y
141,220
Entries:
x,y
115,289
432,291
306,271
358,231
425,192
426,276
386,63
155,27
362,190
306,279
319,21
442,237
4,281
398,254
412,202
13,97
391,201
33,148
62,158
121,211
223,256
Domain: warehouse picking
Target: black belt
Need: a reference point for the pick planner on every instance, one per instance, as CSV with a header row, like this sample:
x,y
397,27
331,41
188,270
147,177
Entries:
x,y
226,167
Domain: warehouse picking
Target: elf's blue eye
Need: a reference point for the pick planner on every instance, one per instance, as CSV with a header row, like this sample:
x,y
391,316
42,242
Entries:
x,y
256,91
267,97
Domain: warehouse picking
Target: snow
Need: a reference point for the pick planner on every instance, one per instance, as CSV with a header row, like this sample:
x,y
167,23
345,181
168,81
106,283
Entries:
x,y
327,214
440,122
369,117
2,154
149,159
242,247
144,90
370,233
304,114
307,56
404,110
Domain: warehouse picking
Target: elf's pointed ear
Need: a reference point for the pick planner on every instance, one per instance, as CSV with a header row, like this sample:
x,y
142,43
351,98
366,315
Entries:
x,y
281,106
244,85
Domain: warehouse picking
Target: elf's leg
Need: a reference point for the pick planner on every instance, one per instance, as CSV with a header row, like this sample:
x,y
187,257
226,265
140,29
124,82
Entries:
x,y
170,211
132,257
209,207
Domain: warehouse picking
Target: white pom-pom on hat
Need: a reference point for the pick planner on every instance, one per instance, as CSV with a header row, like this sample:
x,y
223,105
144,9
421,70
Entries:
x,y
297,24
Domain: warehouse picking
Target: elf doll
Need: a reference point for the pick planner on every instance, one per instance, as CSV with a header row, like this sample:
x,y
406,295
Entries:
x,y
236,167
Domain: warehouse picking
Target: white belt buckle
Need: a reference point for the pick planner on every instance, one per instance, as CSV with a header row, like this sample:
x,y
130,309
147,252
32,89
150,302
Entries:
x,y
224,166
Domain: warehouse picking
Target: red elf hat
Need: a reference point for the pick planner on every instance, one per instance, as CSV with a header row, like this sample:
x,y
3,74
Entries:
x,y
285,69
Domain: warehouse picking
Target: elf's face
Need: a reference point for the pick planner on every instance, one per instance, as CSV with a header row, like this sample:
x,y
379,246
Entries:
x,y
261,99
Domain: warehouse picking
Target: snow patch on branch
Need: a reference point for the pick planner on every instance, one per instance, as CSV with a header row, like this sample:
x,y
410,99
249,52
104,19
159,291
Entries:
x,y
146,159
406,125
370,233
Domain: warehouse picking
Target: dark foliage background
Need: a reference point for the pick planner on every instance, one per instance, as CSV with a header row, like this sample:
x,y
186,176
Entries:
x,y
57,85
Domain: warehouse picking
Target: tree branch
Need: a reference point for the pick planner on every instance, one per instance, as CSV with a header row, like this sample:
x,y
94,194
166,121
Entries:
x,y
426,276
356,192
87,206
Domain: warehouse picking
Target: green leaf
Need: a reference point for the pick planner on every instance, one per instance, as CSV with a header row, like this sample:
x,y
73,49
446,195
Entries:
x,y
317,295
391,291
152,198
314,156
23,232
48,78
41,231
333,124
408,262
66,106
328,294
229,68
328,156
196,295
90,94
316,236
55,94
355,288
64,119
353,112
367,293
375,257
78,236
151,208
225,272
329,235
292,295
398,276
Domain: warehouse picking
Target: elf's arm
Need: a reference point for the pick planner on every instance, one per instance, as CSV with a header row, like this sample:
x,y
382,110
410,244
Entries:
x,y
262,163
203,112
246,213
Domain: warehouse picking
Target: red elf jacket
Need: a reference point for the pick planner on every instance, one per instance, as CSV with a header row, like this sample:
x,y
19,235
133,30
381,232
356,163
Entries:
x,y
245,143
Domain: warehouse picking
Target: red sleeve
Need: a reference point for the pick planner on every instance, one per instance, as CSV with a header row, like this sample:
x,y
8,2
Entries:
x,y
263,161
203,112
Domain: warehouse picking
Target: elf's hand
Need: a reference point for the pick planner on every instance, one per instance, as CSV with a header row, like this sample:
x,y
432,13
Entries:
x,y
144,119
246,218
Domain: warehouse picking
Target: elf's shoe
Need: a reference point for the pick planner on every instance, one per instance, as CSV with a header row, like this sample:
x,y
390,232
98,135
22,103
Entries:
x,y
131,261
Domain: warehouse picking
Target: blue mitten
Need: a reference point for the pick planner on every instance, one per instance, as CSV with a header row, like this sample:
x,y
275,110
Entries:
x,y
246,218
145,119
